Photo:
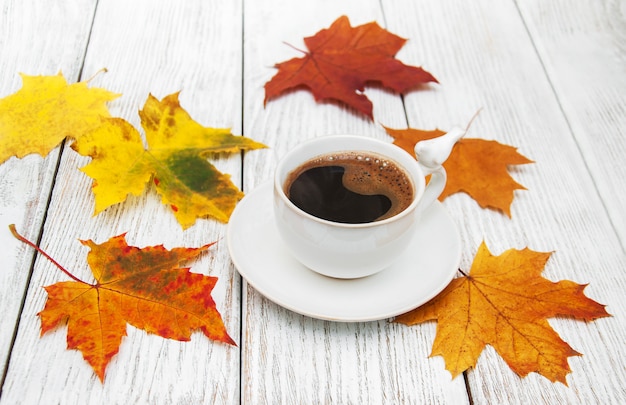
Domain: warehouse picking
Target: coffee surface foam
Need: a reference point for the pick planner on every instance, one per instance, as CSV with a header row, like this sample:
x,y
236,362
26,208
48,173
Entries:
x,y
366,173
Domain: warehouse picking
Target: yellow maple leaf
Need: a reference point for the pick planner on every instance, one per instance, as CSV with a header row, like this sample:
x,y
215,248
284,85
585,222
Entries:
x,y
477,167
45,111
504,302
176,159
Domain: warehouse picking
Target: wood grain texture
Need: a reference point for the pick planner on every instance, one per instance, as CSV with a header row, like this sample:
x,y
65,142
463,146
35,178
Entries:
x,y
560,210
157,48
582,46
549,77
25,184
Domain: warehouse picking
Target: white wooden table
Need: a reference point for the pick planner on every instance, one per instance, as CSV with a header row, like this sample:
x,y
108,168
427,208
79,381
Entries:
x,y
550,76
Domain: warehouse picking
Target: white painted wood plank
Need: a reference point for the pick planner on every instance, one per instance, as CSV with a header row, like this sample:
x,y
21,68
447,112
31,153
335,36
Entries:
x,y
582,45
289,358
484,57
26,47
157,47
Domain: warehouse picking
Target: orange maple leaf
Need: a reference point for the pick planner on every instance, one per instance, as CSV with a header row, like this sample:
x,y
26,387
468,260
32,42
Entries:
x,y
477,167
143,287
504,302
342,60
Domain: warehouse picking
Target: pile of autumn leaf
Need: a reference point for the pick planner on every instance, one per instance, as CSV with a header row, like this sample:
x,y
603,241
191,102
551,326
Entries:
x,y
510,300
130,282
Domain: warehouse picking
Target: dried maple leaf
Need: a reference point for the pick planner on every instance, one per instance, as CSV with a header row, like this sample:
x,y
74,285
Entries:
x,y
45,111
145,288
342,60
477,167
505,302
176,159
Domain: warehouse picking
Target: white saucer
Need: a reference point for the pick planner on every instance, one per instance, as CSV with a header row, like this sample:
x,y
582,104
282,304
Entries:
x,y
423,271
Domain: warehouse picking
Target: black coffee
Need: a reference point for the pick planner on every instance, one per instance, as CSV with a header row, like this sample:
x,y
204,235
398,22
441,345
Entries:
x,y
350,187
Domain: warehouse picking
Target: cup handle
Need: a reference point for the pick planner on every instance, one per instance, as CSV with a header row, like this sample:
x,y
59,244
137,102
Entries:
x,y
434,188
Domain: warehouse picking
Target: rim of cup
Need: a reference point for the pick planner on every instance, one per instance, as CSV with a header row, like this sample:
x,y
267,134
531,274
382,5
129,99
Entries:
x,y
417,192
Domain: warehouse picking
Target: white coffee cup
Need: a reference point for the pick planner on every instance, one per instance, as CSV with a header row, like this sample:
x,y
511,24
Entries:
x,y
345,250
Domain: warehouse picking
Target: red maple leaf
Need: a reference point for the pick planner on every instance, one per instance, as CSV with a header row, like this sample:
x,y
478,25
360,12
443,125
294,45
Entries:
x,y
342,59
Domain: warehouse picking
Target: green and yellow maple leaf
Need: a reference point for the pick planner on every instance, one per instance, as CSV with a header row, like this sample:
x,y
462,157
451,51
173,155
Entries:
x,y
176,160
45,111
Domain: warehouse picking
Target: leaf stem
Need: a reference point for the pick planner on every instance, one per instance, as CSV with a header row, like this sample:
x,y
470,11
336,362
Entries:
x,y
103,70
462,272
293,47
472,119
38,249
